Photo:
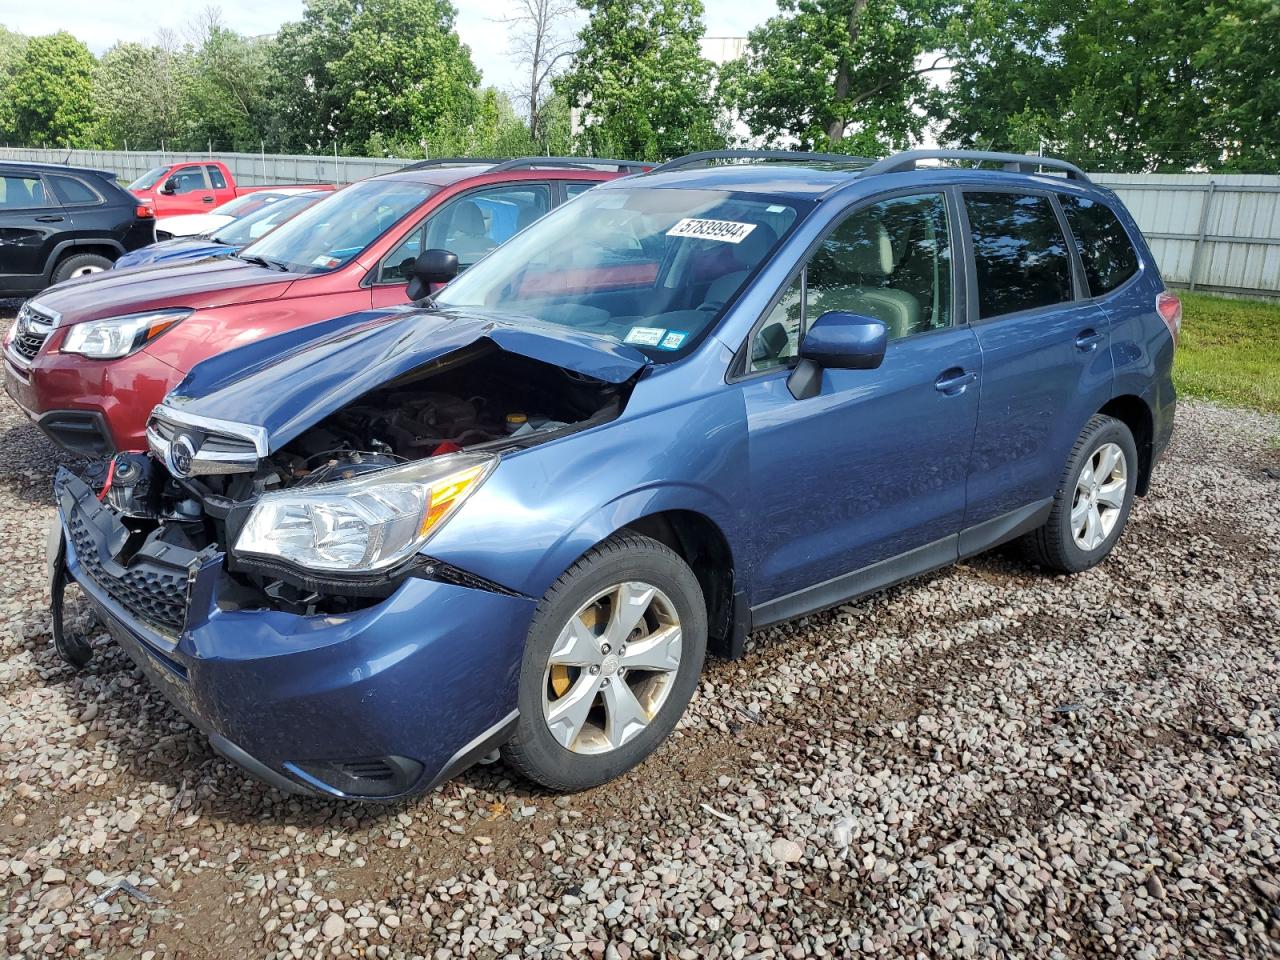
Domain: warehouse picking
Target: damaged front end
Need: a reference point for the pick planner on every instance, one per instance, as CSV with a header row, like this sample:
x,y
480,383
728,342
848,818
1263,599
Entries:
x,y
247,559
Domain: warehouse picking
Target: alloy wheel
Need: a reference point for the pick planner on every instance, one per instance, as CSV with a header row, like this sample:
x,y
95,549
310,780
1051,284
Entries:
x,y
1099,496
612,668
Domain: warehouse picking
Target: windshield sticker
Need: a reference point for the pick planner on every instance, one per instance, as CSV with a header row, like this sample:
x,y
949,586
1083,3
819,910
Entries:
x,y
672,340
645,336
728,231
326,261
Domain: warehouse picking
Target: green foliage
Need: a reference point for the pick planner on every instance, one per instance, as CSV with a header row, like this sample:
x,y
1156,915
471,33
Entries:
x,y
838,74
1126,85
224,99
1229,351
352,70
140,94
48,95
643,87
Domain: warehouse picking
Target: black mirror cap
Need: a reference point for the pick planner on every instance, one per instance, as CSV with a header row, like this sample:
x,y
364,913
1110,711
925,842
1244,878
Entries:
x,y
170,185
432,267
849,341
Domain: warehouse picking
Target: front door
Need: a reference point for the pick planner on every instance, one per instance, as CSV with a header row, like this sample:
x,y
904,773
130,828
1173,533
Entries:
x,y
191,192
30,217
874,466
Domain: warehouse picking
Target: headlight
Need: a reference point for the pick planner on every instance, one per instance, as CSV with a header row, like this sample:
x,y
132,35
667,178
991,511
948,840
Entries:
x,y
366,524
119,336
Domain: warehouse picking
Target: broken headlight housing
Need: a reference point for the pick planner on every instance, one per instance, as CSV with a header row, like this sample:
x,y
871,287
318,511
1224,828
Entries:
x,y
366,524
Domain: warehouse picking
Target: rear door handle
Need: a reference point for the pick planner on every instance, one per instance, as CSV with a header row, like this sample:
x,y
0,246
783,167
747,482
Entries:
x,y
1088,340
953,382
50,219
207,199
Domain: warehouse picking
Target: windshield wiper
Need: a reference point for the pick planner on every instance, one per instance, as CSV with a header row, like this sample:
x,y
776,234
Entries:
x,y
262,262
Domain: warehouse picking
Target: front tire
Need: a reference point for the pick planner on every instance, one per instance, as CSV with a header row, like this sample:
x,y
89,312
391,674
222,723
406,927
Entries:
x,y
1092,502
80,265
612,659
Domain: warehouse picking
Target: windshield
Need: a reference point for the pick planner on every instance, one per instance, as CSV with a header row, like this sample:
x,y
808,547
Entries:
x,y
262,221
652,267
339,227
148,179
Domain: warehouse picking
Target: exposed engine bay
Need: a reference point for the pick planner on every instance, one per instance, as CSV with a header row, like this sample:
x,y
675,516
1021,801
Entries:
x,y
477,399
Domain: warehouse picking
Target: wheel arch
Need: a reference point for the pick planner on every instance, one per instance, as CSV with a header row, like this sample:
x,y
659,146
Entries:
x,y
699,526
110,249
1135,413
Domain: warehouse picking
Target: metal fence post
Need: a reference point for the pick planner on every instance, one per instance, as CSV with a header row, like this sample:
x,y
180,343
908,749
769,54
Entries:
x,y
1198,249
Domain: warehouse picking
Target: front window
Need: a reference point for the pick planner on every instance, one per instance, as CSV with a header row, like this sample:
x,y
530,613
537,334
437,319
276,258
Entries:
x,y
262,221
149,179
338,228
653,267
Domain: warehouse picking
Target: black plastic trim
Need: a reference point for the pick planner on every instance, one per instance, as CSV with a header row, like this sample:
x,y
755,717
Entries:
x,y
259,769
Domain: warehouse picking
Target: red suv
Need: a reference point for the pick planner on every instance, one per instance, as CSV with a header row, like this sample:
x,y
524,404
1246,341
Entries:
x,y
88,359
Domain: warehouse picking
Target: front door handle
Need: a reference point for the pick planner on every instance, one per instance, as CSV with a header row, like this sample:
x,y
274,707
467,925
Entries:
x,y
954,381
50,219
207,199
1088,340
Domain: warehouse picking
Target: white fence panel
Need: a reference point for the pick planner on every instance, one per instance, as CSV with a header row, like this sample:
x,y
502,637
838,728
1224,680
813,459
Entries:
x,y
1206,231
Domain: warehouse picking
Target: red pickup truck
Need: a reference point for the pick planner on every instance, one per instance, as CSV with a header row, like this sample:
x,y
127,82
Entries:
x,y
192,187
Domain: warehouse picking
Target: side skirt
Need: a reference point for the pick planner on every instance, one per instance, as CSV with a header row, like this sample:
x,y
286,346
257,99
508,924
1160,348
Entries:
x,y
913,563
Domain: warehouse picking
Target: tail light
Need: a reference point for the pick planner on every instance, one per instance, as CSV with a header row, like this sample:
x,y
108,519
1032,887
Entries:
x,y
1170,309
143,212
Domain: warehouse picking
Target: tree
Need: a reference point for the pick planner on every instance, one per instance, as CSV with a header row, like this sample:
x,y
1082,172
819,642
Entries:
x,y
49,95
640,81
540,43
139,90
224,97
355,68
1126,85
839,74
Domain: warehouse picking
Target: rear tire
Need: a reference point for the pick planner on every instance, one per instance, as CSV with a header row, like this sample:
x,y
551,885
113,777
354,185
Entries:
x,y
80,265
600,690
1092,502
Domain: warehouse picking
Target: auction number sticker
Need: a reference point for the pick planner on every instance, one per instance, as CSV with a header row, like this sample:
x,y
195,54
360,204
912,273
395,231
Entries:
x,y
727,231
645,336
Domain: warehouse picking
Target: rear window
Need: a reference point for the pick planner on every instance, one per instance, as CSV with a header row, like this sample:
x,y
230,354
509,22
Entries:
x,y
1019,253
73,190
20,191
215,177
1108,255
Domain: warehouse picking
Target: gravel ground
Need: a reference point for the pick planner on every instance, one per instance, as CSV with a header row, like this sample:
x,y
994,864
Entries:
x,y
986,762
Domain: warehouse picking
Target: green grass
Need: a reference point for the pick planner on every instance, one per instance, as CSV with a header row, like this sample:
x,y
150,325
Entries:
x,y
1229,352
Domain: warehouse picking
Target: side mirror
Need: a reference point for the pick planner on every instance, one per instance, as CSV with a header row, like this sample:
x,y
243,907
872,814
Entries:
x,y
837,340
432,267
170,185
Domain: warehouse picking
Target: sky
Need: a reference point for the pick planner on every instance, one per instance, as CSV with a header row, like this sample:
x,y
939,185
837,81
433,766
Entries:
x,y
101,23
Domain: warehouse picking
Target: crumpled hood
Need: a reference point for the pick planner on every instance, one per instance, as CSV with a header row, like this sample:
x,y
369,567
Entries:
x,y
181,248
289,382
203,284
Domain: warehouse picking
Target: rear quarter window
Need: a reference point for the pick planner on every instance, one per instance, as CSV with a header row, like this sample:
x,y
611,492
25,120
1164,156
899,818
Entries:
x,y
1105,249
72,190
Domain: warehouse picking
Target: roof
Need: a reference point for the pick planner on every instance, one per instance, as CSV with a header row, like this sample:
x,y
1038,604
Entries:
x,y
54,168
772,179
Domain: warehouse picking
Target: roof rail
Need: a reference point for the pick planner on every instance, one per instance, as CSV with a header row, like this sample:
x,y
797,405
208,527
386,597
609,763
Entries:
x,y
793,156
581,163
453,161
1013,162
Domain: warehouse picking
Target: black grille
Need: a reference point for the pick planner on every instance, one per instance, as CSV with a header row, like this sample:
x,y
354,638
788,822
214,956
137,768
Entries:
x,y
157,597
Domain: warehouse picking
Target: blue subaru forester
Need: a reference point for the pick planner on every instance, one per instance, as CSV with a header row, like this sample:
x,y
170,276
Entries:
x,y
361,555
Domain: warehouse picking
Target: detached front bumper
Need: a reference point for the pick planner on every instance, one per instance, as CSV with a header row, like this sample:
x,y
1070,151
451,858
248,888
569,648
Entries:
x,y
375,704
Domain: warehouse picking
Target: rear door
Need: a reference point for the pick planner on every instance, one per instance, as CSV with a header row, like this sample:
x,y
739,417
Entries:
x,y
221,190
1046,353
31,220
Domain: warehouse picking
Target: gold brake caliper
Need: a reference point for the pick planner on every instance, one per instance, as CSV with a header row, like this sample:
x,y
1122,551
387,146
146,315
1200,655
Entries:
x,y
561,680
